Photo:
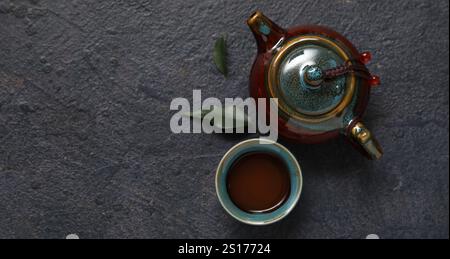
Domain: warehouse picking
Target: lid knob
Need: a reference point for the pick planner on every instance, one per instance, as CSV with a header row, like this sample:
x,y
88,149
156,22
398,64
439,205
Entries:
x,y
314,75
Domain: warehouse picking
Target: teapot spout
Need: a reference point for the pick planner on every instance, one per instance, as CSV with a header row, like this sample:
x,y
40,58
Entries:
x,y
267,34
366,141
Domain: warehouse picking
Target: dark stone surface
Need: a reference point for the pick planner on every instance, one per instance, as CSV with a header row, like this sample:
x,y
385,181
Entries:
x,y
85,144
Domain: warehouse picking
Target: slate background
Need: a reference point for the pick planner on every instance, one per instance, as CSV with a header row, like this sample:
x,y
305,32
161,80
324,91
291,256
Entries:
x,y
85,144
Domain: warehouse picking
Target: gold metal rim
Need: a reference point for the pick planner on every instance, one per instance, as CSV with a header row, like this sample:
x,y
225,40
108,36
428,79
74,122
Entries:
x,y
273,79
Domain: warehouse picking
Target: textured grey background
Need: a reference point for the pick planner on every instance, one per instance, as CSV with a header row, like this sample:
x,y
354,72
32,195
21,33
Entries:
x,y
85,144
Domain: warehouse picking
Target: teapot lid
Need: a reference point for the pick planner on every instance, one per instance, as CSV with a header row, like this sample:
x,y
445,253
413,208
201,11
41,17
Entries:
x,y
304,76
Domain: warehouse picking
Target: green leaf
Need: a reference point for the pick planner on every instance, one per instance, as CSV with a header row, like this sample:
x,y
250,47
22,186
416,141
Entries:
x,y
220,55
240,119
199,114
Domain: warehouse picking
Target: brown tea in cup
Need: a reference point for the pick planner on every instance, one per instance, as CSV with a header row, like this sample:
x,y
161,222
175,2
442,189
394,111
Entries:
x,y
258,182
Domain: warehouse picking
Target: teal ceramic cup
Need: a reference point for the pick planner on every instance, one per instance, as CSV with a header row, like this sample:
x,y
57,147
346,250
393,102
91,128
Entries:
x,y
259,146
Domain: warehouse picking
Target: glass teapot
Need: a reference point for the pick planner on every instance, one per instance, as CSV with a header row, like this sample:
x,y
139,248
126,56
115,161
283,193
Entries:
x,y
320,80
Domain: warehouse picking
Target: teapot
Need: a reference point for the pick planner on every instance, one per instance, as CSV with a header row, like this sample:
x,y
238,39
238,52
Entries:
x,y
320,80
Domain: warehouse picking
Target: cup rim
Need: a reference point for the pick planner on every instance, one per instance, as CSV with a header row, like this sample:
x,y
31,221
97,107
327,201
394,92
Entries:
x,y
258,141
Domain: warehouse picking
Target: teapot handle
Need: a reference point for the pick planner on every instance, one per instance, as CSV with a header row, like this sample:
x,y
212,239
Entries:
x,y
365,139
266,32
